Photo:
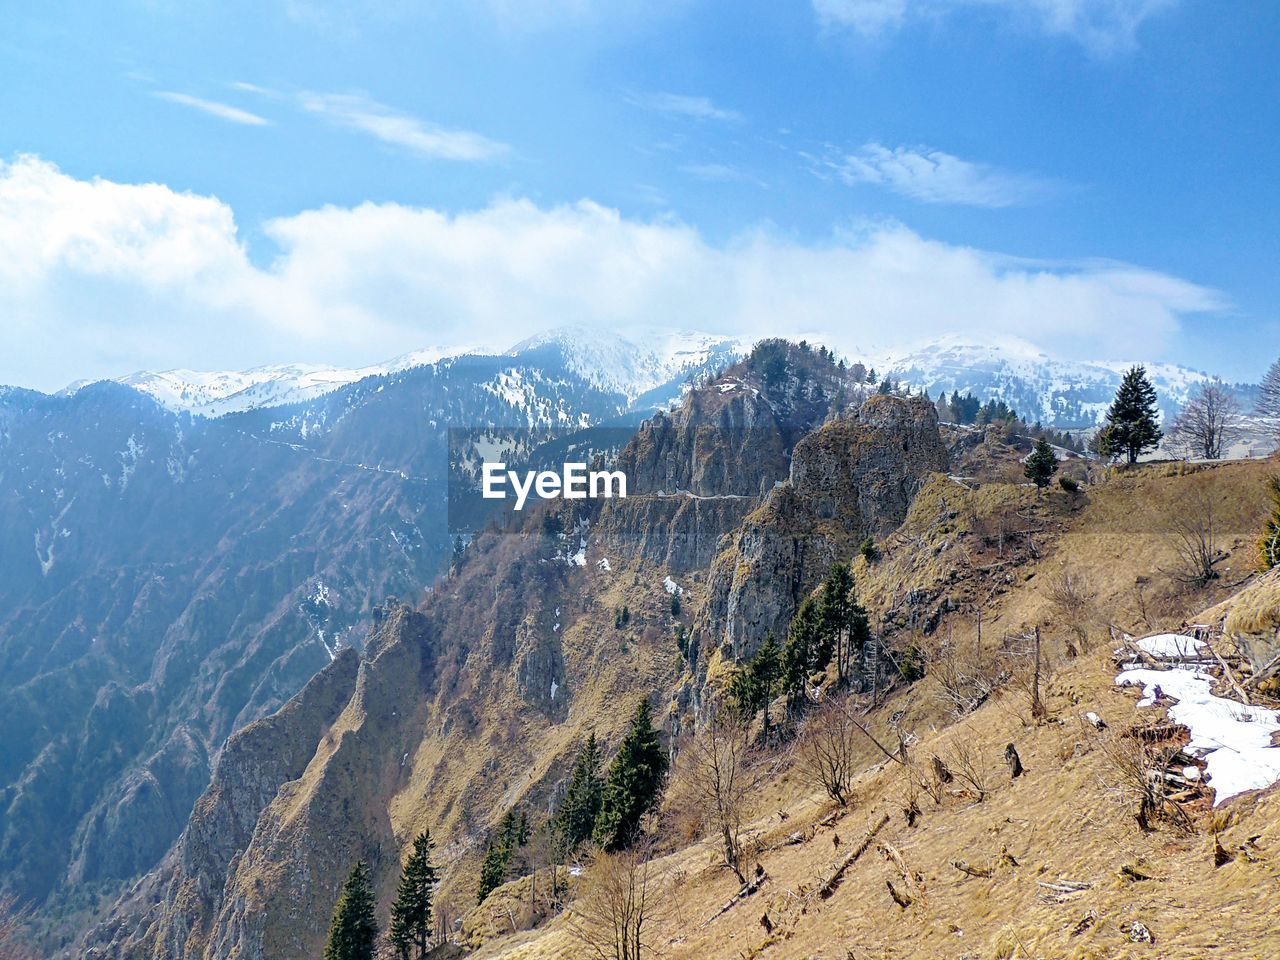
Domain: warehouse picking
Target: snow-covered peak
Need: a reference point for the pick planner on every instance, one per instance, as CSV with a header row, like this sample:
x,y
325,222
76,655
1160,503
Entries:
x,y
217,392
1057,392
637,361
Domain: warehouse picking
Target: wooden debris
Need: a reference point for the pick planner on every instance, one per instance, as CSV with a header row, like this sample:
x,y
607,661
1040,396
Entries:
x,y
1014,761
985,871
1227,674
828,885
747,889
1220,856
902,899
912,880
1084,923
1130,872
1063,890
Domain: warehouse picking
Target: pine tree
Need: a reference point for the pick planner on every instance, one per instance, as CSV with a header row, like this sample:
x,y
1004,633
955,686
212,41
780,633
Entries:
x,y
500,851
353,932
754,686
1041,465
1269,397
1269,548
1132,417
800,656
633,783
845,628
411,911
576,818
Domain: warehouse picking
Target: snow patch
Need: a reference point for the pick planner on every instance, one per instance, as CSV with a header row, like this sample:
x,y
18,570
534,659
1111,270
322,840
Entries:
x,y
672,587
1171,646
1233,738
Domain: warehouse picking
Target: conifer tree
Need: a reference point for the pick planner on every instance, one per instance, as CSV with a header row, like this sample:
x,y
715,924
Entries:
x,y
1269,397
576,818
1269,548
513,833
1132,420
411,912
1041,465
353,932
633,783
844,623
801,655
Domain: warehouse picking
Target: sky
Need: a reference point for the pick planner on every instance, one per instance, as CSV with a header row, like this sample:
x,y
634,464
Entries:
x,y
222,184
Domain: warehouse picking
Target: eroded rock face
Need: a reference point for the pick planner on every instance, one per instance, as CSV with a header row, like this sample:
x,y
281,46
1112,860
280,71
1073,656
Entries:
x,y
168,914
853,478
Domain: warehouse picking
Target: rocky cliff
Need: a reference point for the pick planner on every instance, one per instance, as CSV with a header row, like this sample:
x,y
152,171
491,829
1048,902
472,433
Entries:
x,y
853,478
475,701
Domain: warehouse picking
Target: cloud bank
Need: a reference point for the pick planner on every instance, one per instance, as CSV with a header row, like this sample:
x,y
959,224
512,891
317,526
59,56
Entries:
x,y
100,278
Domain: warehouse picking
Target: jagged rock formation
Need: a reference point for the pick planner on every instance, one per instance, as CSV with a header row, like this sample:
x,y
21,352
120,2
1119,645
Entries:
x,y
853,478
168,580
477,700
176,904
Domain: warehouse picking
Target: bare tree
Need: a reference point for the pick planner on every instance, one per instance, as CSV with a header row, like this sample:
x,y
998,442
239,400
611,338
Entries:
x,y
1074,599
1269,398
621,895
1195,538
1208,421
828,749
717,772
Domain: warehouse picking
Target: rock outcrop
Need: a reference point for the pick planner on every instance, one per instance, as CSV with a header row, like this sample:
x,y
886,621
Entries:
x,y
853,478
169,913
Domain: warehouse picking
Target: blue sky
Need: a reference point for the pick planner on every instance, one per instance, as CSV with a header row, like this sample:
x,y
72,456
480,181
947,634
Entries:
x,y
340,182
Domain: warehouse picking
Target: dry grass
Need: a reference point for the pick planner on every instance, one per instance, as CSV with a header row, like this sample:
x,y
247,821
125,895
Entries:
x,y
1069,817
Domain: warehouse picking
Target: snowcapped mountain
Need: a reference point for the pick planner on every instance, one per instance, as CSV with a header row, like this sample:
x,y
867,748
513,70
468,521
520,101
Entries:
x,y
1059,393
634,365
637,362
214,393
650,367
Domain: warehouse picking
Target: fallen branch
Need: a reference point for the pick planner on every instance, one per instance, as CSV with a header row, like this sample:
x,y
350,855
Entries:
x,y
828,886
1227,674
1263,672
973,871
748,888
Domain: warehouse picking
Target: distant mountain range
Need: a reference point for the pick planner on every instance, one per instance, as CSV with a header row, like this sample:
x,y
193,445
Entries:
x,y
649,368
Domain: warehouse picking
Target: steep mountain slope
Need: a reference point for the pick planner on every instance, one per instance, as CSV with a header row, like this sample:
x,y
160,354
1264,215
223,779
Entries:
x,y
1051,863
170,579
474,702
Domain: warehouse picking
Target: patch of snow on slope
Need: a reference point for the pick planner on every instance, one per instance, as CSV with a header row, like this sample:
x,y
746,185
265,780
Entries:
x,y
1170,646
1233,738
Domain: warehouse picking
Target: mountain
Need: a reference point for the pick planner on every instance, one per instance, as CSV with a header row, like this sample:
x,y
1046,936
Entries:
x,y
1064,394
635,364
471,701
470,705
171,578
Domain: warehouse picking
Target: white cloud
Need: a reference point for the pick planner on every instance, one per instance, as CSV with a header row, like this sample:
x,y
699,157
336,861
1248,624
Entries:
x,y
933,176
400,129
1101,26
99,278
684,105
222,111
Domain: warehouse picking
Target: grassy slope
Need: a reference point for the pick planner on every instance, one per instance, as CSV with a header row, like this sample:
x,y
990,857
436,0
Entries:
x,y
1069,817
